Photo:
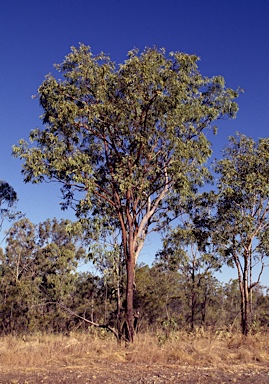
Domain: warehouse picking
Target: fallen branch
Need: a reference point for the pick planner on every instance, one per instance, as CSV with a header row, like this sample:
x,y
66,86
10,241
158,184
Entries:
x,y
118,334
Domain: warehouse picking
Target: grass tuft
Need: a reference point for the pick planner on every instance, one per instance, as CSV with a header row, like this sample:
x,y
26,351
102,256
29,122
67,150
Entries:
x,y
79,349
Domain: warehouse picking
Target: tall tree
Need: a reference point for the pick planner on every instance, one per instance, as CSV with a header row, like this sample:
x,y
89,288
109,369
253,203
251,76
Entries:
x,y
128,137
241,226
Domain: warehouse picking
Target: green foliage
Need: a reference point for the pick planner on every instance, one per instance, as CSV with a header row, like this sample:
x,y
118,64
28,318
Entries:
x,y
8,199
7,194
242,219
170,300
186,250
155,293
127,136
38,267
243,203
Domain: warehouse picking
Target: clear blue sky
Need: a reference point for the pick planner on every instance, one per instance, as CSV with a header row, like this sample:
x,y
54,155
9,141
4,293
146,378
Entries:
x,y
230,36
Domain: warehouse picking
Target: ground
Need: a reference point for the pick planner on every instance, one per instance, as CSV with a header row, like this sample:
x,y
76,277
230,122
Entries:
x,y
85,358
134,374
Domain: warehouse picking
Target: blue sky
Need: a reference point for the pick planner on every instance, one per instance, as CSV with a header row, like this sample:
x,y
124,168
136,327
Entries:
x,y
231,37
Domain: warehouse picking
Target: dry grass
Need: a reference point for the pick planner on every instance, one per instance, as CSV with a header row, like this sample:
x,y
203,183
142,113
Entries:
x,y
199,350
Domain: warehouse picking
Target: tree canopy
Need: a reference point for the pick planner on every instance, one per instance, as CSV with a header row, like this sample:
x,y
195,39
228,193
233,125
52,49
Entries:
x,y
129,136
241,225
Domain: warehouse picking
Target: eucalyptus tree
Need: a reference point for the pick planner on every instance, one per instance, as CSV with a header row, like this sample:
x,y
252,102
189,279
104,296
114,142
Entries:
x,y
241,224
38,271
157,290
186,250
128,136
18,288
58,253
107,257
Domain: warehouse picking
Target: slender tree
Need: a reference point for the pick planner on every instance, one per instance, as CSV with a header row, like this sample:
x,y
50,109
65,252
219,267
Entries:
x,y
157,289
241,226
185,250
128,137
107,257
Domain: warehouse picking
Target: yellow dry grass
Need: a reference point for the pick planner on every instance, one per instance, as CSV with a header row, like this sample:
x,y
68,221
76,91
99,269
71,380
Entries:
x,y
200,349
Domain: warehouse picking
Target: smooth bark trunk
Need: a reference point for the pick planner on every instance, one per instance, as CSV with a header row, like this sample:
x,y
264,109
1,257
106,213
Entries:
x,y
130,300
244,296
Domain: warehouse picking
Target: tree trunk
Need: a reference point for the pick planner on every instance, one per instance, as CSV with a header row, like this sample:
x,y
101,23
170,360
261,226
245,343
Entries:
x,y
193,299
245,327
243,286
250,291
119,320
130,300
204,308
244,306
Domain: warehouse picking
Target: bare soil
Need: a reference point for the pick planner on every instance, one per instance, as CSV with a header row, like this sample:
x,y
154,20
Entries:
x,y
127,372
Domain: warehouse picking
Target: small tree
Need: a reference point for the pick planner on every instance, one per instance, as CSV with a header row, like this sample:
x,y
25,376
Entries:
x,y
107,257
156,291
128,137
185,250
38,267
241,226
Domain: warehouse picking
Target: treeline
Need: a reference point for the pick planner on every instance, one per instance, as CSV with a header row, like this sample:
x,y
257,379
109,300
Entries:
x,y
43,290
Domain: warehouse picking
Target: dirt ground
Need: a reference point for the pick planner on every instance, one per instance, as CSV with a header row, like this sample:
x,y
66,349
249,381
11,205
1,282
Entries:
x,y
131,373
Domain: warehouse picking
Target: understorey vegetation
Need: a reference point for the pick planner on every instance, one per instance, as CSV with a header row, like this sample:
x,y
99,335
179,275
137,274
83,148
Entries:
x,y
43,290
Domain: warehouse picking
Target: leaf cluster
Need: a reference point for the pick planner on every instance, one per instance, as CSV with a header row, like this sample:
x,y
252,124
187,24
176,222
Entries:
x,y
125,134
